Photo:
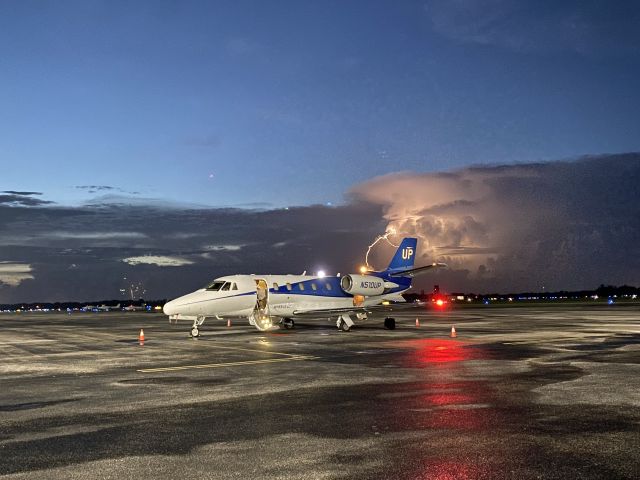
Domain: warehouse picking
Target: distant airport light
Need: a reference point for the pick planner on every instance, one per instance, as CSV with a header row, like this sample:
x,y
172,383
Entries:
x,y
439,302
321,273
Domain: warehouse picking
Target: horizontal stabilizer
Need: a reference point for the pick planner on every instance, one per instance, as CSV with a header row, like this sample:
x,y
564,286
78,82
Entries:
x,y
414,272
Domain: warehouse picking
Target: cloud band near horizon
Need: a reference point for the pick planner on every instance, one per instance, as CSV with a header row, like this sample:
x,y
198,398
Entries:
x,y
557,225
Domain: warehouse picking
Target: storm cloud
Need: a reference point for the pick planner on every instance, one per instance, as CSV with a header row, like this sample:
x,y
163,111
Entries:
x,y
557,225
569,224
99,251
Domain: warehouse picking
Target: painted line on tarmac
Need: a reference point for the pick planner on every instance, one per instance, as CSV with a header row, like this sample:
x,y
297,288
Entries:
x,y
228,332
227,364
17,343
256,350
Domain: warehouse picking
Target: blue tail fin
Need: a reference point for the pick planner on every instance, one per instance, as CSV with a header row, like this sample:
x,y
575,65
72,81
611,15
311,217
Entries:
x,y
405,255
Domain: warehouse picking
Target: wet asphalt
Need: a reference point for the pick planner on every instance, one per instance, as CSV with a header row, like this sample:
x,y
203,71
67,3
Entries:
x,y
523,393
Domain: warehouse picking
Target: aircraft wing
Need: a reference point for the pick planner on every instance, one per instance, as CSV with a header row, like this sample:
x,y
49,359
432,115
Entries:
x,y
414,272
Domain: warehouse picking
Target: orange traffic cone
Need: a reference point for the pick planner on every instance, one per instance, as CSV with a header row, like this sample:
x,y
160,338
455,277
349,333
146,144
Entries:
x,y
453,333
417,322
228,323
141,337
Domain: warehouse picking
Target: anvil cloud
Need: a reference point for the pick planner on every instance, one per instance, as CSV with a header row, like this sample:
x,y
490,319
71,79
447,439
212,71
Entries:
x,y
569,224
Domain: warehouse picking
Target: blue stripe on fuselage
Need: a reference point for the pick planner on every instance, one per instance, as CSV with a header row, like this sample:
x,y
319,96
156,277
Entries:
x,y
321,284
334,283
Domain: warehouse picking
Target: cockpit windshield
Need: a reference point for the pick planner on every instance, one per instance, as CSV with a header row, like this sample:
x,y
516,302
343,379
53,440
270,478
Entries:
x,y
215,285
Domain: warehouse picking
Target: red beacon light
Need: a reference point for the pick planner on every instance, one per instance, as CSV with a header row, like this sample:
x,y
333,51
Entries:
x,y
438,300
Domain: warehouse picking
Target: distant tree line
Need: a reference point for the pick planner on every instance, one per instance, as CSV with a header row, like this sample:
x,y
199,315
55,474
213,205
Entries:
x,y
79,305
603,291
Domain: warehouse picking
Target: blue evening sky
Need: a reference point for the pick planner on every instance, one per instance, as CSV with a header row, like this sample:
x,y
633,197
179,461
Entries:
x,y
292,103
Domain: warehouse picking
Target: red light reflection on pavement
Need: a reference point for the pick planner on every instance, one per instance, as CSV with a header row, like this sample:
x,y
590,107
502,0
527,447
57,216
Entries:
x,y
472,419
436,351
452,470
442,399
451,401
442,404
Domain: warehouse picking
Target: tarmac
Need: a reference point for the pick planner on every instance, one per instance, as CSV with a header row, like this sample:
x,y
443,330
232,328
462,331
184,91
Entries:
x,y
531,392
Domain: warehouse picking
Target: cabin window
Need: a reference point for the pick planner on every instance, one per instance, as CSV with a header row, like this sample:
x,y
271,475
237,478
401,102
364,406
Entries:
x,y
226,286
215,286
313,287
234,286
301,286
275,286
328,285
289,286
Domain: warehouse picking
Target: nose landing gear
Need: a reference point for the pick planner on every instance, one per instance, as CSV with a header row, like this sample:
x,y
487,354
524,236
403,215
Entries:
x,y
195,331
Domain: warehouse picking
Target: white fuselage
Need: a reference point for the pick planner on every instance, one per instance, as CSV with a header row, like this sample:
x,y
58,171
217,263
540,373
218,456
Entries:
x,y
286,294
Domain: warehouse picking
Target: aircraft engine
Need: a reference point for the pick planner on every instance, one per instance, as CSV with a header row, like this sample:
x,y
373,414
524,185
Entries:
x,y
366,285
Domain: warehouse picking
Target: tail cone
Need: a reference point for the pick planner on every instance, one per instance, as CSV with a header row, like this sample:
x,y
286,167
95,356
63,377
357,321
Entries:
x,y
453,333
228,323
417,322
141,337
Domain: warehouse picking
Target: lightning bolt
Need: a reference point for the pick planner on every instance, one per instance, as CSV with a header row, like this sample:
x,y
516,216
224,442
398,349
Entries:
x,y
385,237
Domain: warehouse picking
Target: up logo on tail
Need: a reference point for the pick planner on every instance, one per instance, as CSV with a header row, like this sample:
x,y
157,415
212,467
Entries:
x,y
405,254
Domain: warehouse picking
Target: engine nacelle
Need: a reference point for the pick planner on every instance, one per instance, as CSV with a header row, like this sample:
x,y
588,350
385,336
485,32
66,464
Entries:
x,y
366,285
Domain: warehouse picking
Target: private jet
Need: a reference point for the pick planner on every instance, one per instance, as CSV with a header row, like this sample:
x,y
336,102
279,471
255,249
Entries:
x,y
274,301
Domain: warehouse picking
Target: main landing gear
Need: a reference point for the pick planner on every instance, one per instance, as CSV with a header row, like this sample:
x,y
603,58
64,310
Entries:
x,y
390,323
288,323
344,323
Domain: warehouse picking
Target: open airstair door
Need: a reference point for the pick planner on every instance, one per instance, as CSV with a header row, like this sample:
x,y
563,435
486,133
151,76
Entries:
x,y
260,317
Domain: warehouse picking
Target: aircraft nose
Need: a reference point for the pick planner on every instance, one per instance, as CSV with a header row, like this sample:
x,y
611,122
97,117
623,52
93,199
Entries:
x,y
185,305
170,308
